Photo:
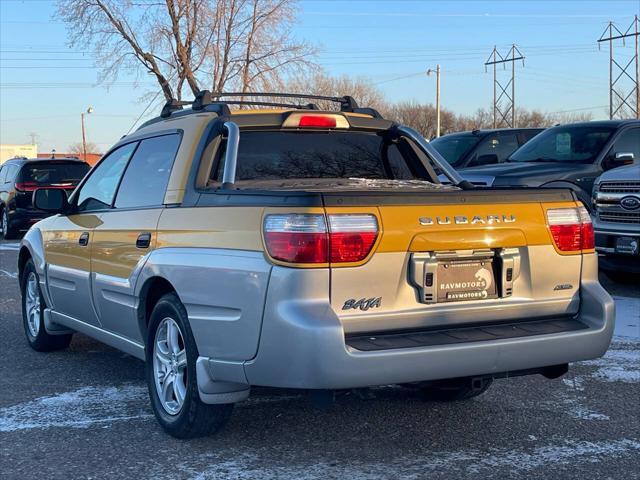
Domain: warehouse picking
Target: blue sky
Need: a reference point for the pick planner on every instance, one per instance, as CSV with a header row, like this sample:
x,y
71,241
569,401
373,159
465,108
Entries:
x,y
44,85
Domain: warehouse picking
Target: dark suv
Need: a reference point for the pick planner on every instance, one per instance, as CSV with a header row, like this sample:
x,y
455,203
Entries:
x,y
19,177
566,156
482,147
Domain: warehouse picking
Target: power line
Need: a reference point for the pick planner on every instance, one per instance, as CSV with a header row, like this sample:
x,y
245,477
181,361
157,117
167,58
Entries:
x,y
410,75
578,109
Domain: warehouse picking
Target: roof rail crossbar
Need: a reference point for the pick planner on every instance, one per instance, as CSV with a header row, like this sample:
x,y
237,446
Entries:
x,y
347,103
202,99
308,106
205,98
172,106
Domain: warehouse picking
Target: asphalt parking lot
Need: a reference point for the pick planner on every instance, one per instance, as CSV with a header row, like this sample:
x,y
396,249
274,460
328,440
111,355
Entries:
x,y
84,413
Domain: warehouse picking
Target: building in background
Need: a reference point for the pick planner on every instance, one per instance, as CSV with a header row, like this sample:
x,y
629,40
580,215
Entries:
x,y
8,151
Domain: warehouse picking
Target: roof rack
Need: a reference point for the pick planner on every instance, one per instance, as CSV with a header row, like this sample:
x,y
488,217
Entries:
x,y
205,98
347,103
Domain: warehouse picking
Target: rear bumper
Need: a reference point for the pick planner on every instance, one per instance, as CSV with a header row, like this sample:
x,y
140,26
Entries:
x,y
303,346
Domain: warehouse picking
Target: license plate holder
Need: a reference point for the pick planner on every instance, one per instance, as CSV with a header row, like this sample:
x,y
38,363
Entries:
x,y
466,279
627,245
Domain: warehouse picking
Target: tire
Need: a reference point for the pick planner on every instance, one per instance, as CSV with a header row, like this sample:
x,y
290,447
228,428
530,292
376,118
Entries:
x,y
173,362
6,231
33,314
456,390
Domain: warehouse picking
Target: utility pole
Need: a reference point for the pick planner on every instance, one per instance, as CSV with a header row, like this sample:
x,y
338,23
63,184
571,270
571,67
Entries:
x,y
508,114
33,136
610,34
84,140
437,72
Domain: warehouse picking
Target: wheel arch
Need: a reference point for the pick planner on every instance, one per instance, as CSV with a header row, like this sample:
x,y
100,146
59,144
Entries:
x,y
151,291
23,257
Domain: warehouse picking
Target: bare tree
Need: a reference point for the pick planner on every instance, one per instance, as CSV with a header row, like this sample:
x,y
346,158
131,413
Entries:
x,y
77,149
422,117
218,44
320,83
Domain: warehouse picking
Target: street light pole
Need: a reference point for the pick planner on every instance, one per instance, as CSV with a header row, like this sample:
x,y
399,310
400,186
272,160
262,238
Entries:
x,y
84,140
437,72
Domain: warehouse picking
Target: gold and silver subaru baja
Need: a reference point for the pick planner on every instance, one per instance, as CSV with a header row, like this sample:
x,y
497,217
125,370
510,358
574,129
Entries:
x,y
299,248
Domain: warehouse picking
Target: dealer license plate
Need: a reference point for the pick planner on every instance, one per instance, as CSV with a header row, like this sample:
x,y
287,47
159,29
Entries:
x,y
461,280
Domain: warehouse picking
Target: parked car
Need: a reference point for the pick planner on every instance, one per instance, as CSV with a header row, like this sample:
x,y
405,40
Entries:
x,y
20,177
307,249
616,200
482,147
566,156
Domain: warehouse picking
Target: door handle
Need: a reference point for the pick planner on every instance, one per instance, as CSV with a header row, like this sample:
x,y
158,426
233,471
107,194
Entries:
x,y
144,240
84,239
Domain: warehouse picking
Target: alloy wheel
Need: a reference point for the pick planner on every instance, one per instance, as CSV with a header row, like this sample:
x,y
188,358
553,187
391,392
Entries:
x,y
32,304
170,366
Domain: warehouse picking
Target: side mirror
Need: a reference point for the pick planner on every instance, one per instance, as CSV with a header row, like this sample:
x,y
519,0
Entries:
x,y
621,159
488,159
52,200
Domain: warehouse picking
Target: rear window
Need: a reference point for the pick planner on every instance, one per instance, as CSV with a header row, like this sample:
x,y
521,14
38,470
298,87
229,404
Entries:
x,y
53,172
295,155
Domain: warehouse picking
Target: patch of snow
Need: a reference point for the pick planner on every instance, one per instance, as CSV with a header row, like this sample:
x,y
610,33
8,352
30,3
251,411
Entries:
x,y
617,365
572,401
575,383
8,274
579,411
627,317
10,246
80,408
248,465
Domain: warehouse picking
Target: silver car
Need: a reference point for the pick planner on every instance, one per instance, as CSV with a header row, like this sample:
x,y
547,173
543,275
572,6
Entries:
x,y
616,222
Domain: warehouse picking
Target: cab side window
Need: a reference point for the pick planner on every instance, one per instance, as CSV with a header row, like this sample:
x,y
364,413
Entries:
x,y
501,145
145,181
628,142
525,135
100,188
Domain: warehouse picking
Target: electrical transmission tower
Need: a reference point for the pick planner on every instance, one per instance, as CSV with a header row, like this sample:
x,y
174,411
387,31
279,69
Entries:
x,y
620,100
508,112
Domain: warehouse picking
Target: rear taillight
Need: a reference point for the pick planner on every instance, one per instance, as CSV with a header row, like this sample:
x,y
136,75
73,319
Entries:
x,y
571,228
588,237
297,238
306,238
26,186
351,237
